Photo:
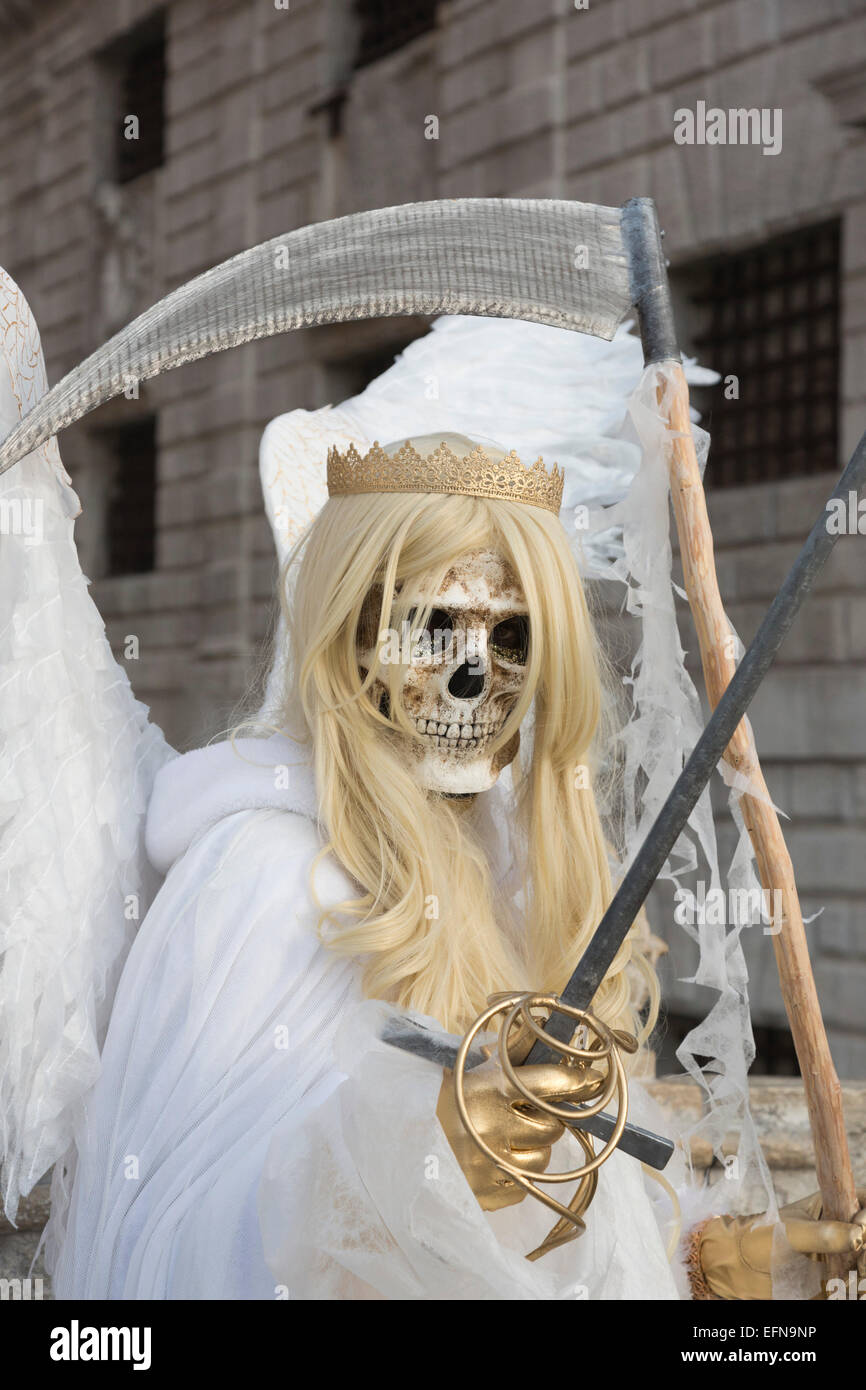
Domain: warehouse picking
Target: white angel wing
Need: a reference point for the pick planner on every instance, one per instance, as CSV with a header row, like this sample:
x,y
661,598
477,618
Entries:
x,y
77,760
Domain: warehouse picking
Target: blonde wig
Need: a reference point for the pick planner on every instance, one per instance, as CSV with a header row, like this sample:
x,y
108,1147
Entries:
x,y
426,922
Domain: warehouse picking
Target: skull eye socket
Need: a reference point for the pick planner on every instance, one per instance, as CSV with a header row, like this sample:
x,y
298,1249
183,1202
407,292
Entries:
x,y
438,631
509,640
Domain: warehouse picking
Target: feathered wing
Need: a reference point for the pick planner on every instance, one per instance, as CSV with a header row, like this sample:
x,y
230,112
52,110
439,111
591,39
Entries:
x,y
77,761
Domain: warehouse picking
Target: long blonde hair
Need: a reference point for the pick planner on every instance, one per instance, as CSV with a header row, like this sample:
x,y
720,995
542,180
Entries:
x,y
427,922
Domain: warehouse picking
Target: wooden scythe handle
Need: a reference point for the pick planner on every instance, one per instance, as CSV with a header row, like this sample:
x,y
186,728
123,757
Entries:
x,y
820,1082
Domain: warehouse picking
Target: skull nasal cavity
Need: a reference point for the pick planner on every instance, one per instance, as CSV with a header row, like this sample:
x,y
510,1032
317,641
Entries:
x,y
463,685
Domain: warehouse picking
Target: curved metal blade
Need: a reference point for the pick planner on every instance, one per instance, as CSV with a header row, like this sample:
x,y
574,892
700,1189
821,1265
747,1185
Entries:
x,y
545,260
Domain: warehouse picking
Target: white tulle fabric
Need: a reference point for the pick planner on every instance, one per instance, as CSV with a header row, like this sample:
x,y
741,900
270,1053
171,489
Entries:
x,y
249,1135
77,762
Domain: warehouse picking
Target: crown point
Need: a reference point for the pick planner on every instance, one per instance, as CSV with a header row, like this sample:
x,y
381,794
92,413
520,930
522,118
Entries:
x,y
442,471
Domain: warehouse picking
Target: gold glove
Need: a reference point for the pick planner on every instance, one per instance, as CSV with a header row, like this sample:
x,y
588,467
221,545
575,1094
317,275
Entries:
x,y
730,1256
509,1124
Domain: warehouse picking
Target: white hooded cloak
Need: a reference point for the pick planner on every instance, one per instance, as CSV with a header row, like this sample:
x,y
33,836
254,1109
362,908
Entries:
x,y
250,1137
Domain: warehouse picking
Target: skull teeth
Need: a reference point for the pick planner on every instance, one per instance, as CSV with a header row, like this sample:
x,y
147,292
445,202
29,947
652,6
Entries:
x,y
458,737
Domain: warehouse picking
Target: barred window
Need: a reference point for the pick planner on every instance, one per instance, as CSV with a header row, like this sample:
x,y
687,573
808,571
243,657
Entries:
x,y
769,317
131,512
386,25
137,62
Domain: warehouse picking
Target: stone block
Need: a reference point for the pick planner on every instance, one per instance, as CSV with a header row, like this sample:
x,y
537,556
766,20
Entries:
x,y
839,931
484,28
474,82
742,28
180,548
583,90
507,119
597,28
743,514
800,501
624,74
594,142
531,57
849,1057
652,14
645,123
820,791
790,713
681,51
288,43
854,239
799,16
842,989
854,368
178,503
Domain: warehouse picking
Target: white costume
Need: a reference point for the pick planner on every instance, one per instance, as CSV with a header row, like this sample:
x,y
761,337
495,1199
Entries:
x,y
248,1137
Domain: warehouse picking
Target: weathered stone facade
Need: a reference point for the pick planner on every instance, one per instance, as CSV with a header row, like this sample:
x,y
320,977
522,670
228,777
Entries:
x,y
268,127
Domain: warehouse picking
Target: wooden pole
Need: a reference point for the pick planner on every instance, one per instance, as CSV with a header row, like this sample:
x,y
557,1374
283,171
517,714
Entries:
x,y
820,1082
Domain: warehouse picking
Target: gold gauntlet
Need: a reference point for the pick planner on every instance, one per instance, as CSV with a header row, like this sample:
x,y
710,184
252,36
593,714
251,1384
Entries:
x,y
730,1257
509,1124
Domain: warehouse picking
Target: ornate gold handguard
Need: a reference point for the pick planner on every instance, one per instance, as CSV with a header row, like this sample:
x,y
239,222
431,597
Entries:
x,y
518,1031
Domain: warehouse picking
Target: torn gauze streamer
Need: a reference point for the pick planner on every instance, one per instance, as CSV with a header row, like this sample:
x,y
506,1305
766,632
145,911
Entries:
x,y
591,407
77,761
665,724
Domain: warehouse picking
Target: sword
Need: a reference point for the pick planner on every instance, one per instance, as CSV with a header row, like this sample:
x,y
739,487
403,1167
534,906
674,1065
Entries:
x,y
442,1048
650,858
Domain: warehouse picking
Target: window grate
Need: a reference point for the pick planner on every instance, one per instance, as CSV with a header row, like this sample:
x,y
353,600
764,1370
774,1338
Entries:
x,y
131,511
386,25
141,93
770,317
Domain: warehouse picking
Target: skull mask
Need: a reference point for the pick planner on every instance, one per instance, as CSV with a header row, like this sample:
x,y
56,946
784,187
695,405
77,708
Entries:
x,y
464,675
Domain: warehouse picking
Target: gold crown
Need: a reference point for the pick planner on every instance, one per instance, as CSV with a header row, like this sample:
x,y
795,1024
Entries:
x,y
473,475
